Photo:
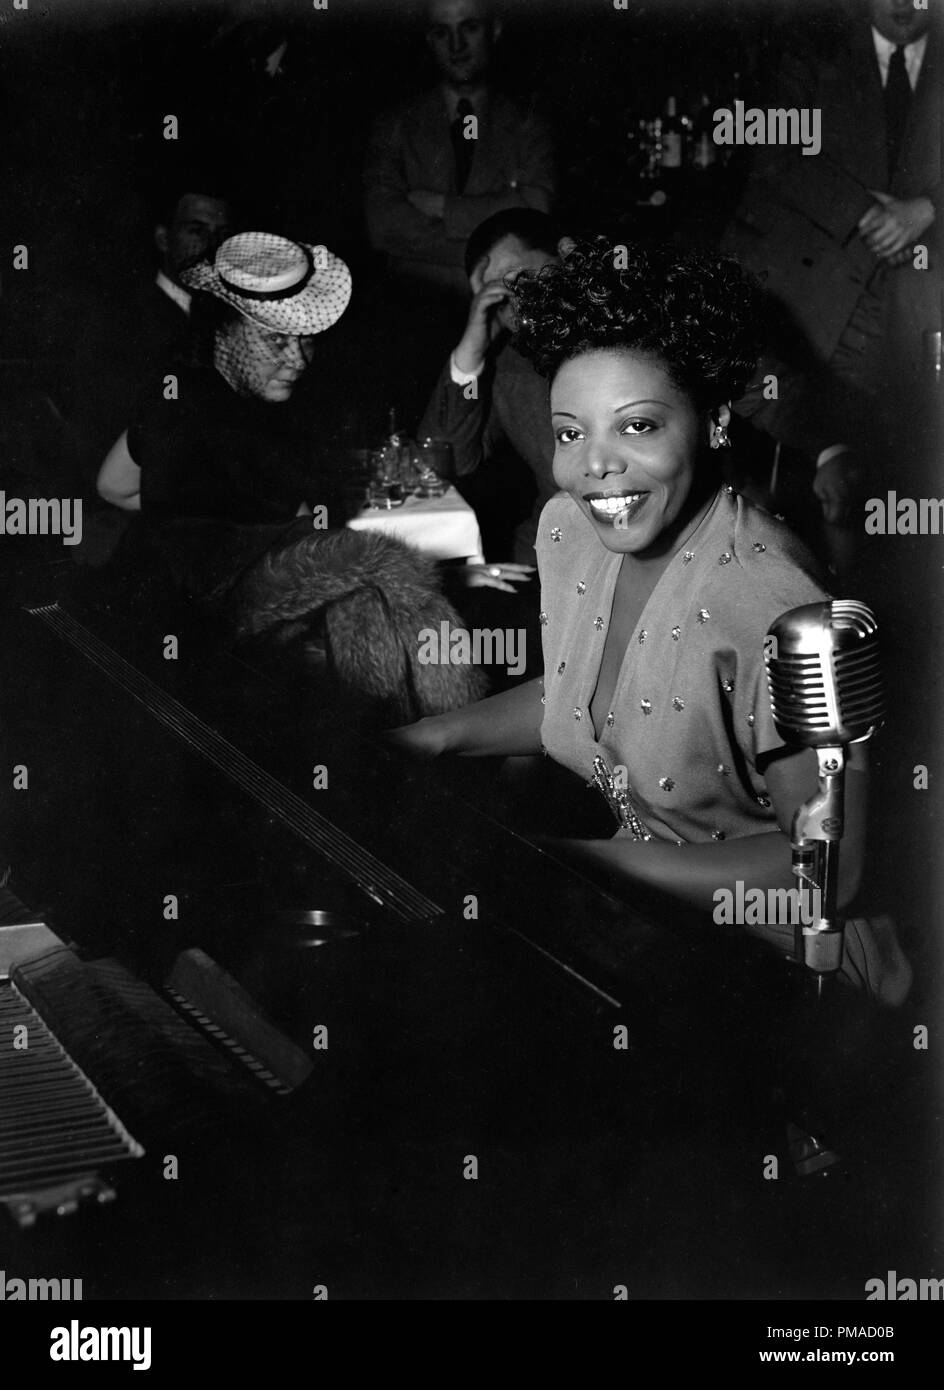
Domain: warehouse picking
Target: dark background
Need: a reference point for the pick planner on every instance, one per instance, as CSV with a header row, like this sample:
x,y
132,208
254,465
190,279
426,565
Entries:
x,y
86,85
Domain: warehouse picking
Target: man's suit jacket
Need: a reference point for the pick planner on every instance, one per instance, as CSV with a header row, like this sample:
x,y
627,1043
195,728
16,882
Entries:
x,y
411,148
508,410
796,225
124,341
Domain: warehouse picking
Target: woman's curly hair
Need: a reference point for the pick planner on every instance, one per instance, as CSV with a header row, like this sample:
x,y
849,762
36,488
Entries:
x,y
700,314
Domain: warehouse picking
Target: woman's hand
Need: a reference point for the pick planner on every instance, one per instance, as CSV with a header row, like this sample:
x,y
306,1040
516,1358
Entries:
x,y
425,739
119,478
503,577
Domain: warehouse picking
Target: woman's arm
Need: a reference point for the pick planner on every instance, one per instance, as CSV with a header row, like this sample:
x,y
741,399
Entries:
x,y
119,478
501,726
695,873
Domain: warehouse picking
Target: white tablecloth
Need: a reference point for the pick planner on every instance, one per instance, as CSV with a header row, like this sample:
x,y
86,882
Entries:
x,y
445,527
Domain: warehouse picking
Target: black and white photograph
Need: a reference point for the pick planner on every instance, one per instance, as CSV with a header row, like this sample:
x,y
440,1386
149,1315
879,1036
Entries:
x,y
471,576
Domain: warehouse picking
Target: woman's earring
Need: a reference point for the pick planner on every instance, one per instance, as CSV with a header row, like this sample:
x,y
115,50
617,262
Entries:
x,y
719,439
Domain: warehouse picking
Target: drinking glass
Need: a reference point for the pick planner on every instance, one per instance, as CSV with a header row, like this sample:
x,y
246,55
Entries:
x,y
436,465
385,489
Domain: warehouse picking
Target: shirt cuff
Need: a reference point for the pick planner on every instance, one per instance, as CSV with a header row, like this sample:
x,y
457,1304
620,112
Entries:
x,y
832,452
459,377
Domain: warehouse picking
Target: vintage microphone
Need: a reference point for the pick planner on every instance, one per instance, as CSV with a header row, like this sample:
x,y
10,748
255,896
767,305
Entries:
x,y
824,673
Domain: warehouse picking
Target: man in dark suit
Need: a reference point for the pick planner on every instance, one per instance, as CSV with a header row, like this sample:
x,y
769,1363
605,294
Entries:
x,y
128,335
443,162
849,242
489,402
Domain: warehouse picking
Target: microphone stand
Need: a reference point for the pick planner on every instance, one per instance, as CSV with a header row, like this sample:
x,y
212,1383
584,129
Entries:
x,y
815,837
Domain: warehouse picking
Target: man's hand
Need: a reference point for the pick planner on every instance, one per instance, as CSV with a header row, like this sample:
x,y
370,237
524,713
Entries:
x,y
482,325
894,224
429,204
840,485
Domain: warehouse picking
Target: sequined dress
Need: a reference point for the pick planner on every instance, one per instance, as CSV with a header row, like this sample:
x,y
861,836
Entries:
x,y
677,755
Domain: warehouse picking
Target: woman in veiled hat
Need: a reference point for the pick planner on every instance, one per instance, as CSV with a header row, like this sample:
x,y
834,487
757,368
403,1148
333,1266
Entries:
x,y
223,483
204,441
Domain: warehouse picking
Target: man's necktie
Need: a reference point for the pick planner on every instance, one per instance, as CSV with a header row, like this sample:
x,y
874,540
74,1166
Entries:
x,y
897,102
462,148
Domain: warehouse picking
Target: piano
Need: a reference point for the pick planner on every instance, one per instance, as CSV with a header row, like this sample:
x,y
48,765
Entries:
x,y
291,1030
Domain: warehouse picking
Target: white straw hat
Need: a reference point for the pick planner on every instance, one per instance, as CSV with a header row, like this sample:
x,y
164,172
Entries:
x,y
282,285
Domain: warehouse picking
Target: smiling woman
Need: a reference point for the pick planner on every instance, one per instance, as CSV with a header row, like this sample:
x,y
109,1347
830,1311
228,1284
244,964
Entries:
x,y
658,588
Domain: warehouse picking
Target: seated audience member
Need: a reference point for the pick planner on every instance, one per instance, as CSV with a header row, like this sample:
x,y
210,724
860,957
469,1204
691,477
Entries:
x,y
211,446
658,586
223,487
443,162
489,399
132,335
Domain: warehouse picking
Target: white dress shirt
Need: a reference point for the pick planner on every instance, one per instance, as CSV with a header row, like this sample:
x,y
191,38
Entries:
x,y
459,377
914,56
173,291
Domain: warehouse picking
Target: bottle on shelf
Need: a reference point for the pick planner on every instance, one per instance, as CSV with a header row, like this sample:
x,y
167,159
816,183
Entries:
x,y
704,149
650,189
736,93
673,139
